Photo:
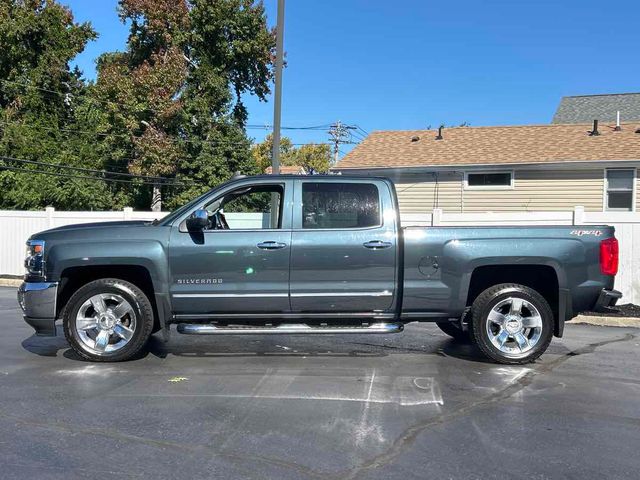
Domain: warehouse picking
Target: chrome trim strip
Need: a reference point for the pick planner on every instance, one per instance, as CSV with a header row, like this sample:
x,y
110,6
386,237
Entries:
x,y
229,295
295,328
386,293
282,315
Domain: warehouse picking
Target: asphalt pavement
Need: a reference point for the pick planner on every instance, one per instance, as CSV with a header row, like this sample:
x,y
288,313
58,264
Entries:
x,y
408,406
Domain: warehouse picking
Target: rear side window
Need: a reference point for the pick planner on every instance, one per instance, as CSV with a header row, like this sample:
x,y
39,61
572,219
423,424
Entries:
x,y
340,205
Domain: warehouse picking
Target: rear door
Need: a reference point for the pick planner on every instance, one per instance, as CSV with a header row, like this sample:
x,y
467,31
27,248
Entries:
x,y
344,250
241,263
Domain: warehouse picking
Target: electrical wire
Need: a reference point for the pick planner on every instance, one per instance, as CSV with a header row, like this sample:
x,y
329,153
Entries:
x,y
80,169
83,177
270,127
146,179
110,102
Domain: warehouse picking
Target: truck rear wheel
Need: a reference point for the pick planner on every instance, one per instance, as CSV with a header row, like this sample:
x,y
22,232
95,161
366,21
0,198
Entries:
x,y
511,324
108,320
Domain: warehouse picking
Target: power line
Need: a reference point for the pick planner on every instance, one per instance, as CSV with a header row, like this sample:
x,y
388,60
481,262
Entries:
x,y
69,95
270,127
362,130
339,133
131,136
183,140
147,179
68,175
358,135
120,135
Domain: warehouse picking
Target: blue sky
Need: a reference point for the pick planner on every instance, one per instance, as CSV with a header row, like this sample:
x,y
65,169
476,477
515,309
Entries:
x,y
388,65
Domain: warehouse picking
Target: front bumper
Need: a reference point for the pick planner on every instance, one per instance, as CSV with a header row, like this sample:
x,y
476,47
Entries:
x,y
38,302
607,298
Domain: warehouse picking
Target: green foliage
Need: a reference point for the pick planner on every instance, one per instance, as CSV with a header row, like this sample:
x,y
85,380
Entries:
x,y
170,105
313,157
38,38
230,38
262,153
174,88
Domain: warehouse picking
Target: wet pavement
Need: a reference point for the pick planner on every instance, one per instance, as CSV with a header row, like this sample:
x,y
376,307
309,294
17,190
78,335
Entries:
x,y
413,405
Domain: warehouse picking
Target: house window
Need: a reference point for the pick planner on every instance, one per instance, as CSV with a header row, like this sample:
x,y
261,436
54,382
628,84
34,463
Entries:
x,y
620,189
489,180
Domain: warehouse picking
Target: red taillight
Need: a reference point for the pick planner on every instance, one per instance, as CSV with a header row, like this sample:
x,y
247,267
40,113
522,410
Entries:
x,y
609,254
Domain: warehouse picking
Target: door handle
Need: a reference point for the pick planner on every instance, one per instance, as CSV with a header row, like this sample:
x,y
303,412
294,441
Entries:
x,y
377,244
271,245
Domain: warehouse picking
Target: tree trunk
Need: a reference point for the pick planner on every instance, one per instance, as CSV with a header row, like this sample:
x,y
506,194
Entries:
x,y
156,198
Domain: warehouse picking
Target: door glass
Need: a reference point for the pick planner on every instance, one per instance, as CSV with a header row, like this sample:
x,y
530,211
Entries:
x,y
253,208
340,205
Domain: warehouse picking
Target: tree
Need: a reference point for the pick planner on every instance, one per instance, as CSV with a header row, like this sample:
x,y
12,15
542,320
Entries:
x,y
38,39
262,152
169,106
231,38
176,91
312,156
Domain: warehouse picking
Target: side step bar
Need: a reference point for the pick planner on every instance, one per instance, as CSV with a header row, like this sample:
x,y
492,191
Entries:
x,y
291,328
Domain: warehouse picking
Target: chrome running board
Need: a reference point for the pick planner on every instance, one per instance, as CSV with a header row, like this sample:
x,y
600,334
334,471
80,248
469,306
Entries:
x,y
289,329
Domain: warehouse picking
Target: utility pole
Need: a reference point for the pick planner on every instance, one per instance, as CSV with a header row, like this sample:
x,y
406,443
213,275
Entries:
x,y
277,107
339,133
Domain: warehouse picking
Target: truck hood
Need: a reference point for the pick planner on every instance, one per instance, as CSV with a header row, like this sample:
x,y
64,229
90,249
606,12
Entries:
x,y
96,226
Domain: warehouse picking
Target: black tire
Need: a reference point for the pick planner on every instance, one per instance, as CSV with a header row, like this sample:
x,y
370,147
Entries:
x,y
453,330
492,297
141,307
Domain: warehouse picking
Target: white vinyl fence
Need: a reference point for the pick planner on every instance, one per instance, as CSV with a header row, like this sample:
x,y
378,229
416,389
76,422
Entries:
x,y
17,226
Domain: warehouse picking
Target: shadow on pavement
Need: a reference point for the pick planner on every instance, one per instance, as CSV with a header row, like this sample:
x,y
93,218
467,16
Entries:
x,y
267,346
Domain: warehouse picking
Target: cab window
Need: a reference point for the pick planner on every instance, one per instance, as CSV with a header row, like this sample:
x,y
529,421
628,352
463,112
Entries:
x,y
340,205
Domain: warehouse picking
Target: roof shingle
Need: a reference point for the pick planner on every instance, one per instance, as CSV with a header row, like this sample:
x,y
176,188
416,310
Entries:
x,y
587,108
494,145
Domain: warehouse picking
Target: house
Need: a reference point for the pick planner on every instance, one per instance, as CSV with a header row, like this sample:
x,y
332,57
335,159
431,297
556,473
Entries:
x,y
506,168
586,108
288,170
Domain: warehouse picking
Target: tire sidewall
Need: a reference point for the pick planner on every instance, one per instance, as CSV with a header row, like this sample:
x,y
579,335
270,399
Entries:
x,y
480,318
131,294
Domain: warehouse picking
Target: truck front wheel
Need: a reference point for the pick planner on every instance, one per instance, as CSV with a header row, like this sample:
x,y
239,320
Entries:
x,y
108,320
511,324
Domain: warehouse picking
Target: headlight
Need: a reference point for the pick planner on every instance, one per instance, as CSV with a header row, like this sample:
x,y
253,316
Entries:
x,y
34,263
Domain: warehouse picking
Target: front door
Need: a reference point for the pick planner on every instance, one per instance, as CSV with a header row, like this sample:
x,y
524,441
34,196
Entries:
x,y
240,264
344,252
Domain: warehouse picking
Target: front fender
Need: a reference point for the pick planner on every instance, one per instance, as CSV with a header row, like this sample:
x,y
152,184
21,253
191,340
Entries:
x,y
149,254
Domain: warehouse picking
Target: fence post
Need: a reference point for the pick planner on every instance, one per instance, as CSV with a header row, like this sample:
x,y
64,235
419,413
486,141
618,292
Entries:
x,y
127,212
436,217
578,215
49,211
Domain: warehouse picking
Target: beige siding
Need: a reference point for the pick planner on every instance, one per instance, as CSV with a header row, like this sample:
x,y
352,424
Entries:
x,y
637,206
534,190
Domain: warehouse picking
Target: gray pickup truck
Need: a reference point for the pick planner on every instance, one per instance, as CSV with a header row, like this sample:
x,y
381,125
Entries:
x,y
312,255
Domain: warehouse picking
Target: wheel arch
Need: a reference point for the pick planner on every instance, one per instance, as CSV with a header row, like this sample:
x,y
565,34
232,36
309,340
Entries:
x,y
544,279
73,278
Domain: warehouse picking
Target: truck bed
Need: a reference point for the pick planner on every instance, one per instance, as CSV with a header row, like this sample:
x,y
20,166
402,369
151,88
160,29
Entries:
x,y
442,264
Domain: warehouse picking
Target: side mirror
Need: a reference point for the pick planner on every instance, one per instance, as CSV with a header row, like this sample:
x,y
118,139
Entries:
x,y
198,220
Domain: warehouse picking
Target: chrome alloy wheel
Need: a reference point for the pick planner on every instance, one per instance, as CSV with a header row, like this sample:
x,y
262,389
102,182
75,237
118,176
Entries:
x,y
514,326
105,323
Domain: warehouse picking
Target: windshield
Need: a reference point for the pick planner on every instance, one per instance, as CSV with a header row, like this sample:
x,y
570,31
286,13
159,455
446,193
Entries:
x,y
180,211
185,208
